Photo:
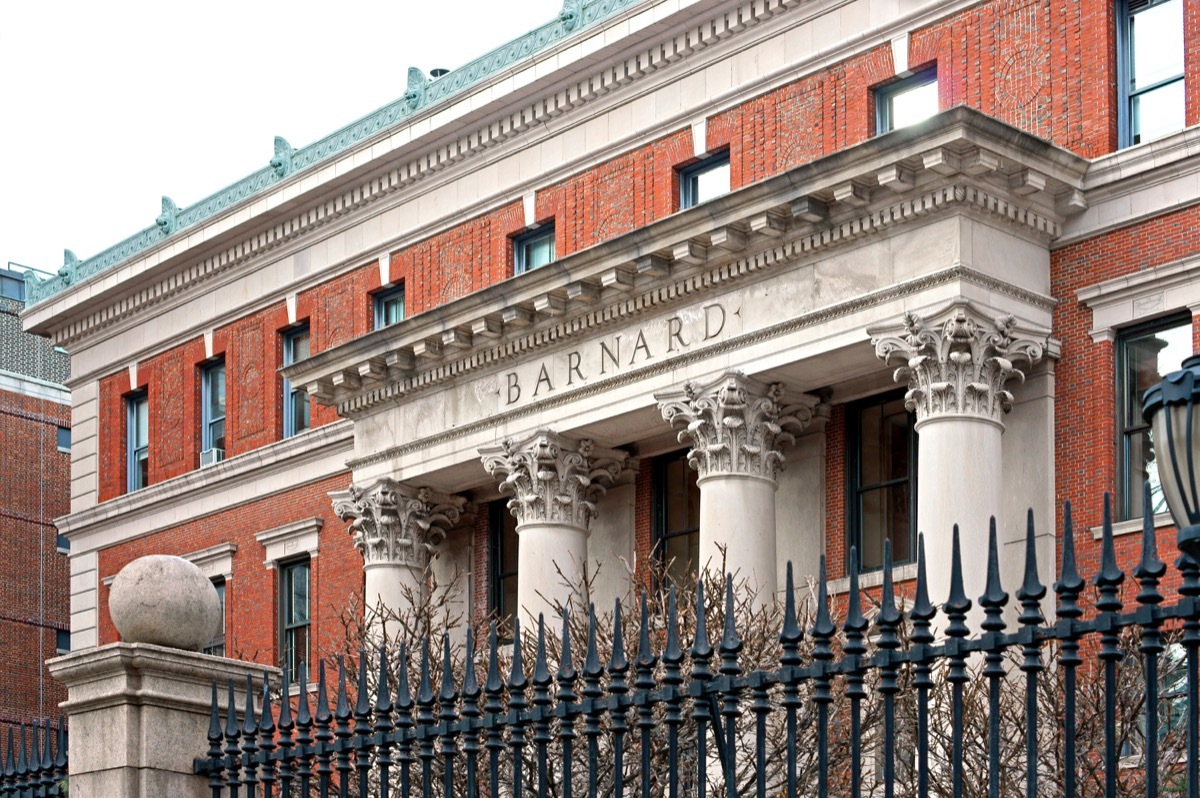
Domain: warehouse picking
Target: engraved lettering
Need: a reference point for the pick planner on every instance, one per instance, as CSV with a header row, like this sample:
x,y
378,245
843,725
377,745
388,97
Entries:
x,y
714,316
573,370
675,333
543,377
514,388
606,354
640,346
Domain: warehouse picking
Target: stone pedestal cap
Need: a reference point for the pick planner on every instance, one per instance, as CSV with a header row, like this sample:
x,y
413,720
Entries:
x,y
165,601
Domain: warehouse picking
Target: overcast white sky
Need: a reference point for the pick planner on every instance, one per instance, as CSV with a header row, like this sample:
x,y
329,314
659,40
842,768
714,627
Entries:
x,y
107,106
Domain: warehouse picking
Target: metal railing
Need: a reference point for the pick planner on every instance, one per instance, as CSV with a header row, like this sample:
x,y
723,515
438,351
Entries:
x,y
35,762
717,728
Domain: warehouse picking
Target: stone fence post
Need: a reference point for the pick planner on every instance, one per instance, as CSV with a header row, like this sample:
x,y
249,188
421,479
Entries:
x,y
139,710
139,716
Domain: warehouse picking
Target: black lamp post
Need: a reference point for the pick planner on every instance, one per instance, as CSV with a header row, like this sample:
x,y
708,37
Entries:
x,y
1172,409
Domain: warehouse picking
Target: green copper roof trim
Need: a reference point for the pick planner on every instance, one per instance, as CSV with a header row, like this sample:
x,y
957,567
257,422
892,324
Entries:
x,y
421,93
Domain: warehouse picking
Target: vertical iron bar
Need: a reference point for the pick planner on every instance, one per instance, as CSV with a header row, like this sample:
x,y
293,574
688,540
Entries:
x,y
702,652
383,727
470,714
888,622
790,637
324,735
425,722
542,706
822,633
342,732
1068,588
922,615
448,716
250,742
216,762
618,666
672,658
1149,571
566,698
855,627
493,708
1190,589
362,725
593,709
956,608
730,670
993,602
1030,595
233,751
404,724
1108,580
266,739
517,704
304,739
287,743
645,683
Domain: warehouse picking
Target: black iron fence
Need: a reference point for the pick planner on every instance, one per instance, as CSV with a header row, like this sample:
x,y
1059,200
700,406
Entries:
x,y
700,721
35,762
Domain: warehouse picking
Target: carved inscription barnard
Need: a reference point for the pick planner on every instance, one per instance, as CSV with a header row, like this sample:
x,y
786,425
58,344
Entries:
x,y
617,352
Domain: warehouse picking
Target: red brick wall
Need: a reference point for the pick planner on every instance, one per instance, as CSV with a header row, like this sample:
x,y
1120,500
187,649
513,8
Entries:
x,y
35,490
835,492
252,595
1085,410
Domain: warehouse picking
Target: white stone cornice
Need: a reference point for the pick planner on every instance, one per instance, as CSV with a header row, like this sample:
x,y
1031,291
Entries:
x,y
34,388
291,540
553,479
395,523
736,424
1142,295
958,364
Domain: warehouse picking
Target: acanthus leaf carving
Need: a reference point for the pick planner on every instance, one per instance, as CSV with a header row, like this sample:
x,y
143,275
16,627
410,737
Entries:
x,y
958,367
391,522
553,479
736,424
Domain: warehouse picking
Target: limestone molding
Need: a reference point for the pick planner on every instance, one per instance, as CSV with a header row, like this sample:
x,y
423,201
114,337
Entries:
x,y
551,478
958,367
736,424
396,523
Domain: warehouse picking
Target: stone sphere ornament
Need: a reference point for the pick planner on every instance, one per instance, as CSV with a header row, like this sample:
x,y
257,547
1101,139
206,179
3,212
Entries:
x,y
166,601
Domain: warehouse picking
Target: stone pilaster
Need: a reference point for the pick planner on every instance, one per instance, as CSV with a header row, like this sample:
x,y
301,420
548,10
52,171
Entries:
x,y
955,368
396,528
737,427
554,483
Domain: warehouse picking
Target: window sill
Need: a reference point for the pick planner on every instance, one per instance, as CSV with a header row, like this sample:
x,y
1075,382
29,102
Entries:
x,y
1132,526
900,573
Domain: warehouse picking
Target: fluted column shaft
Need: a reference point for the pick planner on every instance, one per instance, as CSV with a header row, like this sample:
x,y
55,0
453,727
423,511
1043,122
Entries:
x,y
737,427
396,527
554,483
956,369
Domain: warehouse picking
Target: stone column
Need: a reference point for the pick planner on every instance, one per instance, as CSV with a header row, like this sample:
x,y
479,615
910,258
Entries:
x,y
554,483
956,370
396,528
737,426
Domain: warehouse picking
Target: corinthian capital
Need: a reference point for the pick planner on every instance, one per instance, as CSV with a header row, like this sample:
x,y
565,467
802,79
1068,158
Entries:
x,y
958,367
736,424
395,523
553,479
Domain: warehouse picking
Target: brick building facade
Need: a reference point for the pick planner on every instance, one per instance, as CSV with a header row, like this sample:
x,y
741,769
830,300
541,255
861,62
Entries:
x,y
35,418
529,275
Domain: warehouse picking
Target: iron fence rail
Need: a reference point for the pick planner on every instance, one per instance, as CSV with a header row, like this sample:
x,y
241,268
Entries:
x,y
37,766
381,745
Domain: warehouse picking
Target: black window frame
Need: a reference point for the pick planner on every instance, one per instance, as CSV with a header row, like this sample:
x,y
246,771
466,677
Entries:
x,y
689,178
287,645
885,94
854,488
1126,11
659,535
132,472
498,513
523,242
208,421
382,298
1125,337
216,646
290,336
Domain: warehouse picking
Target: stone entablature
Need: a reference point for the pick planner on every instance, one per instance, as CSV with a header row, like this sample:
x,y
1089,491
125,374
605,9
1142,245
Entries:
x,y
391,522
553,479
736,425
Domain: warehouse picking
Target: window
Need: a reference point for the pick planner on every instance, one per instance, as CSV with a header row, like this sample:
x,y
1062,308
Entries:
x,y
906,101
213,409
676,519
882,480
389,307
64,439
62,641
295,400
703,181
1144,355
502,540
217,646
62,544
138,425
295,615
1149,69
533,249
12,285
